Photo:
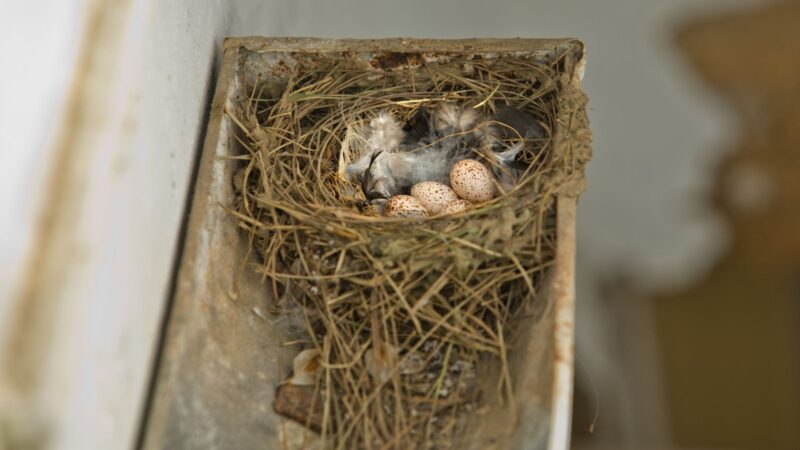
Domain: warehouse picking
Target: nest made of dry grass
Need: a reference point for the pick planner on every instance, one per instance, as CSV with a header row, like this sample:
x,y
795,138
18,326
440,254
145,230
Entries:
x,y
431,298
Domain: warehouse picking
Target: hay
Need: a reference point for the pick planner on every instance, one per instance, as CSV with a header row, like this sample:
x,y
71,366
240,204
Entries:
x,y
427,303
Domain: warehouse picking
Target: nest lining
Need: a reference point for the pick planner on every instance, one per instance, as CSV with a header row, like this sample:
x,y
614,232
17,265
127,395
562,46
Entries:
x,y
410,317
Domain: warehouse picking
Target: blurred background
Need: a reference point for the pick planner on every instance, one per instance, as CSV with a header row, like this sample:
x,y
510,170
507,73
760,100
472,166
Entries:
x,y
688,320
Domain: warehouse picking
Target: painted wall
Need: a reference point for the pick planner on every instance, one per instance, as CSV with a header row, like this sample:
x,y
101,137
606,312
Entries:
x,y
33,91
96,174
99,138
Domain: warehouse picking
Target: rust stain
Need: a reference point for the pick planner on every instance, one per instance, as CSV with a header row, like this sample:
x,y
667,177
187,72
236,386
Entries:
x,y
301,405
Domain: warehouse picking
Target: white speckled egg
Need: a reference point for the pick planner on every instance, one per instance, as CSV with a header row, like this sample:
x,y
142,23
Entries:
x,y
472,181
457,206
404,206
433,196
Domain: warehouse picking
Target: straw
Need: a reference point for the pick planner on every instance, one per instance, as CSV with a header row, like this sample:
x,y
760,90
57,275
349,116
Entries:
x,y
437,295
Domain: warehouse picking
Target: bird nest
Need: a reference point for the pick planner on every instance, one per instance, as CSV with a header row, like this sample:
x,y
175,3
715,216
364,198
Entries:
x,y
407,320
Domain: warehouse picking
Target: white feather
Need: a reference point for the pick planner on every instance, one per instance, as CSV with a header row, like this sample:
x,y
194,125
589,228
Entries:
x,y
451,117
385,133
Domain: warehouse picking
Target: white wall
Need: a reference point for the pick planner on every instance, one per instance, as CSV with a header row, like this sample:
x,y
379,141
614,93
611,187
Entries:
x,y
124,152
33,92
123,155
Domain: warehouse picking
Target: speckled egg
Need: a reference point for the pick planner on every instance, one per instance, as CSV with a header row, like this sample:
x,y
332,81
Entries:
x,y
457,206
433,196
472,181
404,206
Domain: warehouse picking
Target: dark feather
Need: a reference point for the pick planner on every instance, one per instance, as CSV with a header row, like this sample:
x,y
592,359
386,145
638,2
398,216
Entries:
x,y
518,123
366,181
418,127
516,166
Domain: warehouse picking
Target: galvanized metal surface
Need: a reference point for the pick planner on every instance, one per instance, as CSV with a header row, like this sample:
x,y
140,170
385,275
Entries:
x,y
223,359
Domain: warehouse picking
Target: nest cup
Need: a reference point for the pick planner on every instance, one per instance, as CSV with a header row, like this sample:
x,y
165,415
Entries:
x,y
428,331
373,294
